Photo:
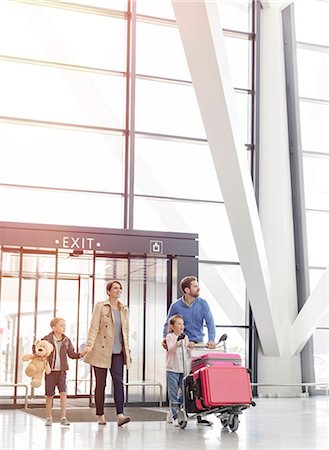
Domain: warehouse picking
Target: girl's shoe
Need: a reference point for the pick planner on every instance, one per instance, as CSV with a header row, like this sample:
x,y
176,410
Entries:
x,y
101,420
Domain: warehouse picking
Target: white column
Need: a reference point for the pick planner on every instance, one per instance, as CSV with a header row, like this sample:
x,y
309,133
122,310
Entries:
x,y
275,205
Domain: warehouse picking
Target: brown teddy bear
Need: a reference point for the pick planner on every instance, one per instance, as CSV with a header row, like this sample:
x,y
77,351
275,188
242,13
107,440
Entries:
x,y
39,362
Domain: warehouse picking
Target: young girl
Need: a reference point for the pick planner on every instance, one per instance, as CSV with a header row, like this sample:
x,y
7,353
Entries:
x,y
177,366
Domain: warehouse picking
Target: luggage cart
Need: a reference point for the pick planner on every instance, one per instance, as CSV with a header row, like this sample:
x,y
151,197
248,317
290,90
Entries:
x,y
193,398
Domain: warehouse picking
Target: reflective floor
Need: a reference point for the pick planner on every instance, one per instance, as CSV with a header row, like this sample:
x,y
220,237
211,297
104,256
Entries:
x,y
277,423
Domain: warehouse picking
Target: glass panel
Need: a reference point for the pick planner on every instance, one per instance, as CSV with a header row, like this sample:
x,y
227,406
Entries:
x,y
156,312
136,325
46,297
318,238
51,94
10,264
160,52
110,269
26,332
314,126
8,325
160,8
208,220
74,266
321,355
67,153
316,30
41,265
239,61
156,174
325,321
224,288
107,4
173,109
243,101
68,208
46,34
167,108
315,275
85,312
67,308
313,73
316,181
235,14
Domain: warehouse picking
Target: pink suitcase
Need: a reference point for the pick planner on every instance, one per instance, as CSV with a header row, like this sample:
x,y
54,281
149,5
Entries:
x,y
216,359
220,386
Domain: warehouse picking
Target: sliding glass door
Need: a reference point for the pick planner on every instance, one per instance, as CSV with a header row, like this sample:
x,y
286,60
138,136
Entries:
x,y
37,285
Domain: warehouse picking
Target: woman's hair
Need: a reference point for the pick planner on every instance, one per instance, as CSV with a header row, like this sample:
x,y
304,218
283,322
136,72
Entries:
x,y
55,321
172,320
111,283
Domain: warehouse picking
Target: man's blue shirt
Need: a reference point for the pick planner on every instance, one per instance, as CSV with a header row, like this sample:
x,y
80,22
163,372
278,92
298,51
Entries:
x,y
194,317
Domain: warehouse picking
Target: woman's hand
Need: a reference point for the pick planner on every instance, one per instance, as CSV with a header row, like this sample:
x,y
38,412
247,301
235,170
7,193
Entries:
x,y
85,351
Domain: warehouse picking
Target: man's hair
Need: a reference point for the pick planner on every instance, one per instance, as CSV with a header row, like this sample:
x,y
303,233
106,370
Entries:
x,y
55,321
172,320
111,283
186,282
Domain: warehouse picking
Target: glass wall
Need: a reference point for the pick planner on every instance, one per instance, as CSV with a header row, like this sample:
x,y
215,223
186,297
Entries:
x,y
313,74
37,286
103,129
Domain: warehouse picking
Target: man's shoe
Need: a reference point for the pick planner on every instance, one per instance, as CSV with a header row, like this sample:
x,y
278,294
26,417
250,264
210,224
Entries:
x,y
204,422
64,422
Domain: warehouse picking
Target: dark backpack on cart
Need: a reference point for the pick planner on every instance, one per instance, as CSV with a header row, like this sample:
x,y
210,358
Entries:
x,y
190,394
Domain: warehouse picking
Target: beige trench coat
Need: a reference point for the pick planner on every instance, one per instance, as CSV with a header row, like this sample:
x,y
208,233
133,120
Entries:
x,y
101,335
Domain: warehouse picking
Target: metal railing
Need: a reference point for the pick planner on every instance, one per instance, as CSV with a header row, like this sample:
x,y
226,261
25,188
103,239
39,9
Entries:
x,y
147,383
134,383
25,386
324,386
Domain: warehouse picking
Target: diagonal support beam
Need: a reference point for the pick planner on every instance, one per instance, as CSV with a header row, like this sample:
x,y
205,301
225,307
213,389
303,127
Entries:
x,y
311,314
203,42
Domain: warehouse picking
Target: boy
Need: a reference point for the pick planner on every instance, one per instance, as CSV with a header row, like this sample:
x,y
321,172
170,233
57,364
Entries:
x,y
58,365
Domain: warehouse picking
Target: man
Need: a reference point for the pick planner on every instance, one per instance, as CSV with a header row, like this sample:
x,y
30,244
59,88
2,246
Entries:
x,y
195,311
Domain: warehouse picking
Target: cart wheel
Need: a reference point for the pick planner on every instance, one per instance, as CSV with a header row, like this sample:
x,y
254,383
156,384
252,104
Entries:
x,y
234,424
224,422
182,424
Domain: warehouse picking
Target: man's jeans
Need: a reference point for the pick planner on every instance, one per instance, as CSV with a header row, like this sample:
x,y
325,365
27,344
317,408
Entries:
x,y
175,391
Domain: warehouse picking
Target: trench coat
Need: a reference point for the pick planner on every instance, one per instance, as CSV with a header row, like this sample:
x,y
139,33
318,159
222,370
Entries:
x,y
101,335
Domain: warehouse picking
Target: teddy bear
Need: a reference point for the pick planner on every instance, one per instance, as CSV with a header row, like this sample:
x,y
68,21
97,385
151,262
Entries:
x,y
39,362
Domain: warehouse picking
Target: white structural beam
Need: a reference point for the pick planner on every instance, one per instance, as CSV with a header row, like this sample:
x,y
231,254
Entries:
x,y
216,282
265,3
311,314
203,42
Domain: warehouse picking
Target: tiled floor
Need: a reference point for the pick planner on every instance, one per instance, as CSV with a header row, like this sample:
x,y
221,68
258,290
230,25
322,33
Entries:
x,y
274,424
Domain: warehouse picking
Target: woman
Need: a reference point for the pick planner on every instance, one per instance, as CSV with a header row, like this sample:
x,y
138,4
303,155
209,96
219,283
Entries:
x,y
107,348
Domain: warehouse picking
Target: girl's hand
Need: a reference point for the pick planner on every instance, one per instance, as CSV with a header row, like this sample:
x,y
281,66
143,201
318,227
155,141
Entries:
x,y
85,351
191,344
